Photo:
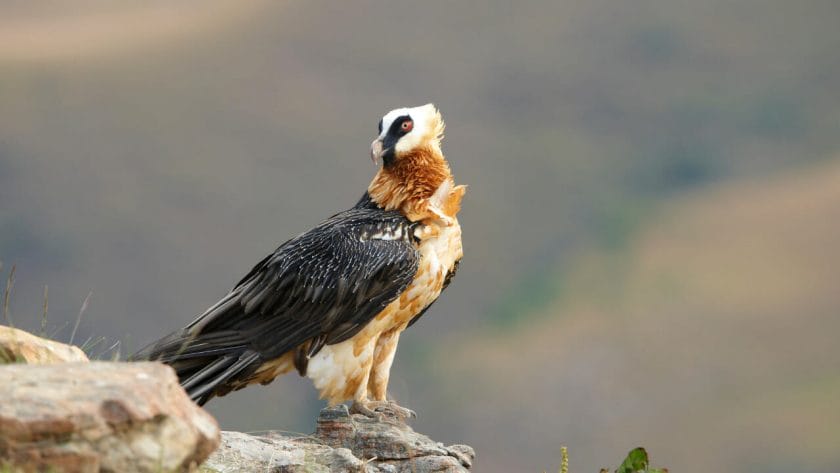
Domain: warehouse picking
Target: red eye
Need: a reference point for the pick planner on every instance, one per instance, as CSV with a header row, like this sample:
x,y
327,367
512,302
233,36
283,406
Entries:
x,y
407,126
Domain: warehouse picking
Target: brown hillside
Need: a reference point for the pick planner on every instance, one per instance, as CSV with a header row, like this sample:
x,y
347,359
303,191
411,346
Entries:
x,y
712,340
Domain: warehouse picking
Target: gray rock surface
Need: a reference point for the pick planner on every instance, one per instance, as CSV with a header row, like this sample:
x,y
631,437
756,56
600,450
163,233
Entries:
x,y
342,443
110,417
59,413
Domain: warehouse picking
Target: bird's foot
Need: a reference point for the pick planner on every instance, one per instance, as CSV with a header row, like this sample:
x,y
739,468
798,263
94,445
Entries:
x,y
362,407
395,410
380,410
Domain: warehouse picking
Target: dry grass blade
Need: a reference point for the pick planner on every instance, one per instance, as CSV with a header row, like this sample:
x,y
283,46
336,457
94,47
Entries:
x,y
58,330
79,317
9,282
115,354
46,309
90,344
114,350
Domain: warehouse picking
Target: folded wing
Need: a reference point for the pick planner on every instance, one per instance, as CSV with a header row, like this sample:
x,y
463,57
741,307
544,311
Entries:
x,y
321,287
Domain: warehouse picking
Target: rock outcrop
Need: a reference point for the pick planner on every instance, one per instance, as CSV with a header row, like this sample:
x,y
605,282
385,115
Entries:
x,y
90,417
342,443
17,346
117,417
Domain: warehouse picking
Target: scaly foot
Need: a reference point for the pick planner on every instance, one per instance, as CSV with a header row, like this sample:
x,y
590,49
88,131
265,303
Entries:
x,y
391,407
361,407
380,409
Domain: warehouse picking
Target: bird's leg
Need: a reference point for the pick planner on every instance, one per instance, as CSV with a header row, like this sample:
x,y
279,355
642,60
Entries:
x,y
377,383
383,358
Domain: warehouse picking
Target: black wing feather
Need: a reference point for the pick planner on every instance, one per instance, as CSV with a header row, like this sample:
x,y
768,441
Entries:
x,y
322,286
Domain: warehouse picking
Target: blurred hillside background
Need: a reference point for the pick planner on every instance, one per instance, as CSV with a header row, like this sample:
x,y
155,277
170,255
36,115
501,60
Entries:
x,y
650,231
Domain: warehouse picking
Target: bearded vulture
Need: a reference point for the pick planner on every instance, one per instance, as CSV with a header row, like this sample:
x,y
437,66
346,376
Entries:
x,y
331,303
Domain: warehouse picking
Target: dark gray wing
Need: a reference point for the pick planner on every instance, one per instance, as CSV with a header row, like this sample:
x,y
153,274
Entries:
x,y
321,287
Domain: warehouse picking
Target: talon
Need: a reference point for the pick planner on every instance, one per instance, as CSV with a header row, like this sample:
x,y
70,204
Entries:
x,y
359,407
401,412
382,409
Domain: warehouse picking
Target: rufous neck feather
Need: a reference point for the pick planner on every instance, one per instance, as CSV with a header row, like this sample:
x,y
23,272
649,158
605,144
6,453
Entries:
x,y
410,182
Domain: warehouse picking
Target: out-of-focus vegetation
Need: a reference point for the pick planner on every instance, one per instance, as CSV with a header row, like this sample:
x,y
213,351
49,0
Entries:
x,y
649,248
637,462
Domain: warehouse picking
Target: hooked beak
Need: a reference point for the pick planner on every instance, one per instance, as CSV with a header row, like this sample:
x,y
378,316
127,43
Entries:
x,y
376,150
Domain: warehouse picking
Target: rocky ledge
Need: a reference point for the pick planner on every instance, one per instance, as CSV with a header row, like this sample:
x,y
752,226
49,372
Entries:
x,y
341,443
90,417
60,413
